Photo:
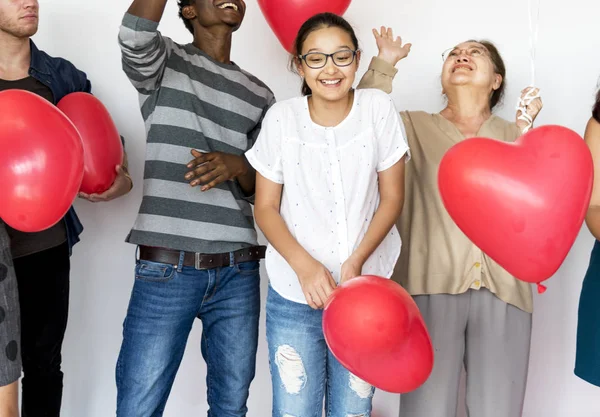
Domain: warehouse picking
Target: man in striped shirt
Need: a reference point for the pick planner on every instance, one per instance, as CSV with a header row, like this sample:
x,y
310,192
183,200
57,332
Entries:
x,y
198,250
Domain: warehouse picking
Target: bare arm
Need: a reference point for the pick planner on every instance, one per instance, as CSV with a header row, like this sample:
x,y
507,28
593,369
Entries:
x,y
316,281
391,191
148,9
247,179
592,138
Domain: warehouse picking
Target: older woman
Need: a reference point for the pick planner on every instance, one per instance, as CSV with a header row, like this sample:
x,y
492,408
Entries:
x,y
587,361
477,314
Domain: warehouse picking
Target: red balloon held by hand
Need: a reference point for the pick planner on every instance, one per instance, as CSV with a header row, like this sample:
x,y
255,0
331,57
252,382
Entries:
x,y
374,328
287,16
102,146
41,161
521,203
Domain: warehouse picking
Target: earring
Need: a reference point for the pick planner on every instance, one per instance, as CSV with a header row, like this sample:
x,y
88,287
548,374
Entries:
x,y
188,13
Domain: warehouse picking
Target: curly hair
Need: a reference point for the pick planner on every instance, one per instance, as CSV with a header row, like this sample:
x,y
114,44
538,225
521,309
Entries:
x,y
182,4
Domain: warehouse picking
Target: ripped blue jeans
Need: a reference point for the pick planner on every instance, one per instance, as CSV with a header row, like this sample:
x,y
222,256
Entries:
x,y
304,371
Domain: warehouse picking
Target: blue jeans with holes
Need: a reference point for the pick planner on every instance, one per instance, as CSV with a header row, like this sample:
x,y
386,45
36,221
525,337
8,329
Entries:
x,y
165,301
303,370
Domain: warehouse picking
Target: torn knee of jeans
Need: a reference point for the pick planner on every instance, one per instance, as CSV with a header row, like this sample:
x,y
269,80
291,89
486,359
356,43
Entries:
x,y
359,415
360,388
291,369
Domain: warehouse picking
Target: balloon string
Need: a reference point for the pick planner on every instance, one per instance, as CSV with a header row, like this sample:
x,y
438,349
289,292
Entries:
x,y
533,38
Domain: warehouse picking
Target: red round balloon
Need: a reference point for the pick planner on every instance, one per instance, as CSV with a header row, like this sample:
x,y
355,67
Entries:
x,y
41,162
102,147
521,203
287,16
374,328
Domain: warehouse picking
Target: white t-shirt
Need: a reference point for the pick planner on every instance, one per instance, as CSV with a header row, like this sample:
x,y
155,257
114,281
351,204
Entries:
x,y
330,184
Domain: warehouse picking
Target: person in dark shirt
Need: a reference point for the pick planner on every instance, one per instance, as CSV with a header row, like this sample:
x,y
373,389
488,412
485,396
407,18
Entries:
x,y
41,260
587,353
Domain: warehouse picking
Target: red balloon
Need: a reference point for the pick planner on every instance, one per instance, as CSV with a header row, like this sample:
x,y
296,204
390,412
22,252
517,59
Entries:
x,y
102,147
41,162
521,203
374,328
287,16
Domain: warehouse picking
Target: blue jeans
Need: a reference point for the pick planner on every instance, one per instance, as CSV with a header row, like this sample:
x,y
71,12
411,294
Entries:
x,y
165,300
303,370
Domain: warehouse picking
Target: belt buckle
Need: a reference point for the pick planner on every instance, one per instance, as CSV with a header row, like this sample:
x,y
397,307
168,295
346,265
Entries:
x,y
197,260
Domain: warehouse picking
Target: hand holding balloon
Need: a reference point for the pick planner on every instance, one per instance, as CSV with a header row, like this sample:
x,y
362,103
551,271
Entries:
x,y
352,268
121,186
530,105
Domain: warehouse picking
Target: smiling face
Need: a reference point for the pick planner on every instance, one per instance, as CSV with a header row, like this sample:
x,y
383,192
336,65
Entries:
x,y
331,77
19,18
208,13
470,64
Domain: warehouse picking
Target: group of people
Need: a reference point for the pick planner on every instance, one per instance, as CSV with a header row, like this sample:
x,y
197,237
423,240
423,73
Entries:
x,y
342,185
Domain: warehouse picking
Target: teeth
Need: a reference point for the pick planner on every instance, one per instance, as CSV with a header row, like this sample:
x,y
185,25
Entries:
x,y
330,82
229,5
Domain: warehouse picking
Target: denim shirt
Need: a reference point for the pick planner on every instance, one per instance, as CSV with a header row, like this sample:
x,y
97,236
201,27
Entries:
x,y
62,78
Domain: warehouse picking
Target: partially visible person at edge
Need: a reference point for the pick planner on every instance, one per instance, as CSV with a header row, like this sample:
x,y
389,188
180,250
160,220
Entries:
x,y
198,250
587,359
477,314
10,358
41,260
330,185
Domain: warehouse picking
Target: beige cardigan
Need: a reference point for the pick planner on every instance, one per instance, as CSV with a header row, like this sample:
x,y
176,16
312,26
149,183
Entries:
x,y
436,256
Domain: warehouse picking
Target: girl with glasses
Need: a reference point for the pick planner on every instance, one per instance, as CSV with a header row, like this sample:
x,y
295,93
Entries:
x,y
330,175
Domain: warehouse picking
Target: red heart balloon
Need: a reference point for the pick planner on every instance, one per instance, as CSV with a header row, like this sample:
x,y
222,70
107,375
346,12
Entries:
x,y
287,16
41,161
102,147
521,203
375,330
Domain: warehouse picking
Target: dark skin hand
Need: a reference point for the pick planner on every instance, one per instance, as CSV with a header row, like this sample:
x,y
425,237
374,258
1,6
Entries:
x,y
212,168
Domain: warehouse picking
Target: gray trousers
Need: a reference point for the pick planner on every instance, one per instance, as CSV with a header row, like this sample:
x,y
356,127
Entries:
x,y
10,357
492,340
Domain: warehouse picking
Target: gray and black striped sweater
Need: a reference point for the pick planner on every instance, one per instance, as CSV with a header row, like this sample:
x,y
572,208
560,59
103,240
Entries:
x,y
190,101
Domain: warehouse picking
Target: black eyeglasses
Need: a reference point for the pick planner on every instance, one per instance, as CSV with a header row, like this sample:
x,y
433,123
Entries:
x,y
316,60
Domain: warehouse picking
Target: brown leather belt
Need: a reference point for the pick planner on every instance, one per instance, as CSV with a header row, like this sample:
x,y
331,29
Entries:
x,y
201,260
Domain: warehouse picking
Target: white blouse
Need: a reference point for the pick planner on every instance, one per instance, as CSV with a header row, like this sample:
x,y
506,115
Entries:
x,y
330,183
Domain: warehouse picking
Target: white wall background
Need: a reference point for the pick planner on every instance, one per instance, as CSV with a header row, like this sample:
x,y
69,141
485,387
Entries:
x,y
568,65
